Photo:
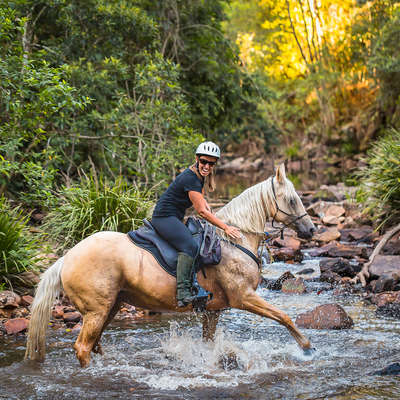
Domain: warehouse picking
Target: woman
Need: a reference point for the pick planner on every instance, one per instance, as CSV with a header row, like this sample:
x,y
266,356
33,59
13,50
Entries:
x,y
187,190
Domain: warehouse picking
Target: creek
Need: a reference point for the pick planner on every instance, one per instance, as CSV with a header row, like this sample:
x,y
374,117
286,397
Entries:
x,y
163,356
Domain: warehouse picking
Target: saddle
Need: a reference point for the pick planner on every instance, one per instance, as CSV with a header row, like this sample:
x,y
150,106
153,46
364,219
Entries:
x,y
204,234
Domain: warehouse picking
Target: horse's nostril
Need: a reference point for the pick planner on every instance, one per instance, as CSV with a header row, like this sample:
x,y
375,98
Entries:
x,y
312,230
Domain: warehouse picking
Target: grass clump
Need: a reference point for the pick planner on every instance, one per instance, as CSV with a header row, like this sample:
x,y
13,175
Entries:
x,y
18,248
94,205
379,189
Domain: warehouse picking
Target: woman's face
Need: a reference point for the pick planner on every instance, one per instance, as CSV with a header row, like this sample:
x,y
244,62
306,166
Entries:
x,y
206,164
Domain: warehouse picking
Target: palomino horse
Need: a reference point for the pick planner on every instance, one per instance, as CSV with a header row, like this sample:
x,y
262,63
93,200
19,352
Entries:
x,y
106,269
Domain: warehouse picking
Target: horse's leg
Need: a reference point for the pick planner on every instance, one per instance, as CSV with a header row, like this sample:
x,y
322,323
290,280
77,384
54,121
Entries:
x,y
93,322
257,305
210,321
97,346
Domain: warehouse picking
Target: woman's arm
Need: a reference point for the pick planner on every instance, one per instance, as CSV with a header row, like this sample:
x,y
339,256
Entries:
x,y
203,209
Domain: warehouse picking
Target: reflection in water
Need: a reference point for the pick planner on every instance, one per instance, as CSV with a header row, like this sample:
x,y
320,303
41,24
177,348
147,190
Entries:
x,y
164,357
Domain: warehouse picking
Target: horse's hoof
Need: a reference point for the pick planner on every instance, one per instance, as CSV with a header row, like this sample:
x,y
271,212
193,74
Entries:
x,y
310,351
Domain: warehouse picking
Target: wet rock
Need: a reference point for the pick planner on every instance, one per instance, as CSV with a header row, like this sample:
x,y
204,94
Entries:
x,y
389,310
381,299
277,284
77,328
16,325
392,247
385,265
286,254
6,312
335,249
20,312
288,242
322,251
392,369
306,271
228,361
330,277
359,234
9,299
58,312
26,300
72,317
338,265
327,316
294,286
327,236
385,283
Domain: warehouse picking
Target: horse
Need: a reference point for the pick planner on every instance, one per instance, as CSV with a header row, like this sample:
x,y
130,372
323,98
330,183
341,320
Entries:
x,y
107,268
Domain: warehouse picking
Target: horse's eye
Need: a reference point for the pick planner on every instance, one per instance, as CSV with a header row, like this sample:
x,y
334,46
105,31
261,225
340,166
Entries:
x,y
292,203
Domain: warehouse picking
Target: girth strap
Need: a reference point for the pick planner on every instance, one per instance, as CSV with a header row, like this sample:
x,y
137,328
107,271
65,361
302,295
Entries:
x,y
248,252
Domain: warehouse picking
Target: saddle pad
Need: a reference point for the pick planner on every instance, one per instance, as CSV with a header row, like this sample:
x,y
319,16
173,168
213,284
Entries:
x,y
163,252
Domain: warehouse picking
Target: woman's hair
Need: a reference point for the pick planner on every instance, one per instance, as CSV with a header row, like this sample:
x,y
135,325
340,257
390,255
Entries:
x,y
209,181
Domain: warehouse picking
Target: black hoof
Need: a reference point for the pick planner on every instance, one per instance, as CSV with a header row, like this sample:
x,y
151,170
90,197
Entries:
x,y
309,352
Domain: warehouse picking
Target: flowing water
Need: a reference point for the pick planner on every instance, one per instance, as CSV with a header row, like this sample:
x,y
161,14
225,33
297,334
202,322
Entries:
x,y
163,357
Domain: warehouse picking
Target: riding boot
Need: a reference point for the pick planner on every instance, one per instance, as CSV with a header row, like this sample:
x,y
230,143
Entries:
x,y
184,295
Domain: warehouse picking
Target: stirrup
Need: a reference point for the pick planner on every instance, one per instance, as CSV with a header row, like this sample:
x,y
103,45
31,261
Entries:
x,y
202,296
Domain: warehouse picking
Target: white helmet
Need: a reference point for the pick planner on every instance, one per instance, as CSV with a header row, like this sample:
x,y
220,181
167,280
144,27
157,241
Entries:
x,y
208,149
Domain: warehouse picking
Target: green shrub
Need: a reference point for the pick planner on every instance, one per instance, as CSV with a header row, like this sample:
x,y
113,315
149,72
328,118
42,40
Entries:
x,y
94,205
379,188
18,248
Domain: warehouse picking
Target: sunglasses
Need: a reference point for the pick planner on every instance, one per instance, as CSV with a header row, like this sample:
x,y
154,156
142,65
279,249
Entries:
x,y
205,162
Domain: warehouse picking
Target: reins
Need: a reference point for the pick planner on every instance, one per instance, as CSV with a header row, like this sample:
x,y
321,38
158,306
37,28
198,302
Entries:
x,y
296,218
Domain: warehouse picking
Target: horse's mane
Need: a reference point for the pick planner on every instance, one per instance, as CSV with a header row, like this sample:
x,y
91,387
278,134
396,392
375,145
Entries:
x,y
250,210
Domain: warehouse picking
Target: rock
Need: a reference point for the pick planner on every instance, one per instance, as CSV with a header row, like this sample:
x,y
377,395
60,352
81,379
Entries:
x,y
26,300
277,285
339,265
392,369
392,247
385,265
306,271
345,251
6,312
58,312
9,299
331,220
328,236
381,299
16,325
327,316
389,310
29,279
322,251
72,317
287,254
294,286
361,234
20,312
330,277
335,211
385,283
288,241
76,328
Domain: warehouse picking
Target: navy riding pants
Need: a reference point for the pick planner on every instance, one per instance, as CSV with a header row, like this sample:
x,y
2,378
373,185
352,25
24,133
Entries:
x,y
175,232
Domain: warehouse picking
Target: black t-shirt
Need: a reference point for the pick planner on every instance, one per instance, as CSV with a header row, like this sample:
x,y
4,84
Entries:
x,y
175,200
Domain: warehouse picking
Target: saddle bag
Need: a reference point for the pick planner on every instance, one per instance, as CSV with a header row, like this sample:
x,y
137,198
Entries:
x,y
209,243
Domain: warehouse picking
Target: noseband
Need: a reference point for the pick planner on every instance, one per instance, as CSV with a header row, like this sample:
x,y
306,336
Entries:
x,y
296,218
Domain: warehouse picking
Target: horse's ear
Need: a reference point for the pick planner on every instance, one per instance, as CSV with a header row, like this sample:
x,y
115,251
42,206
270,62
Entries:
x,y
281,173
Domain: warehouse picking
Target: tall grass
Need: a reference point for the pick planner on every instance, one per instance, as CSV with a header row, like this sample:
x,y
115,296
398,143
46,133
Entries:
x,y
93,205
379,189
18,248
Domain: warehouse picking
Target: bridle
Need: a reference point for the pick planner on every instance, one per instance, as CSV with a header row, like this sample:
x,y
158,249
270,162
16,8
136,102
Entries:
x,y
296,218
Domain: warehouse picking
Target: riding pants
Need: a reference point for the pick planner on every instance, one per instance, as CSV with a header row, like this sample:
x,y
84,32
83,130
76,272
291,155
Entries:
x,y
175,232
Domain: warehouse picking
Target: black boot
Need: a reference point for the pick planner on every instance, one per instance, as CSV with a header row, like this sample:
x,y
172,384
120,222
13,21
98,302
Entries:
x,y
184,294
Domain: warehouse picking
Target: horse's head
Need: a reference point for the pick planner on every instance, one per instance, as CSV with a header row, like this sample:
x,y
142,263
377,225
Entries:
x,y
289,208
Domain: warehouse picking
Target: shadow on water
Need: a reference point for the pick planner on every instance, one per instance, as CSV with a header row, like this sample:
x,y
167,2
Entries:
x,y
164,358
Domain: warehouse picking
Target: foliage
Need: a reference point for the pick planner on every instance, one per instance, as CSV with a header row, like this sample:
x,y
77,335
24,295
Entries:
x,y
18,248
93,205
379,191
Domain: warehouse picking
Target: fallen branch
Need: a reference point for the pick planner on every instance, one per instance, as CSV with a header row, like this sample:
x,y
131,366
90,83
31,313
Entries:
x,y
364,274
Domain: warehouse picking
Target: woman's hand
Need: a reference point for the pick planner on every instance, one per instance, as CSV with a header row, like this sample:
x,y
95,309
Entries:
x,y
233,232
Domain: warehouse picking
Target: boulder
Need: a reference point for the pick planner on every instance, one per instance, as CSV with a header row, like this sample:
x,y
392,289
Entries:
x,y
327,316
330,277
392,247
16,325
392,369
339,265
26,300
360,234
277,285
294,286
72,317
327,236
385,283
58,312
287,254
385,265
335,211
331,220
9,299
288,241
381,299
306,271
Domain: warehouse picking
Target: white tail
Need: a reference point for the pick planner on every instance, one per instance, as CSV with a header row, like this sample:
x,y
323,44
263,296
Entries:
x,y
48,289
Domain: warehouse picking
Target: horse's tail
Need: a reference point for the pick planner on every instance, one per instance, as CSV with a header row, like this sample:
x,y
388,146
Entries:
x,y
48,289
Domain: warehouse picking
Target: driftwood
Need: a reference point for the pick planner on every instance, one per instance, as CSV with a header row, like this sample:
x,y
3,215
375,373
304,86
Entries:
x,y
364,274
